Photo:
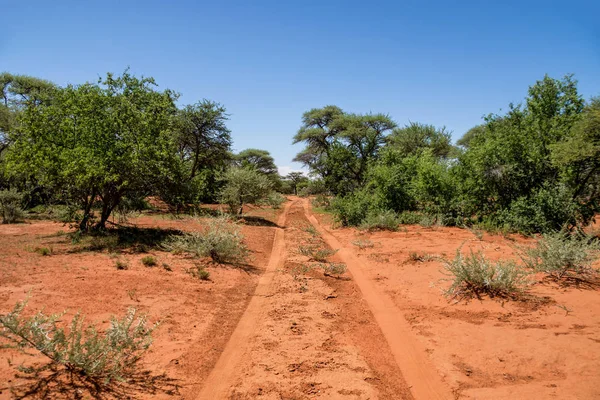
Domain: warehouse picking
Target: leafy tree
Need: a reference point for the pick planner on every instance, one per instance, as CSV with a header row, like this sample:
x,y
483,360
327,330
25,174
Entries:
x,y
295,178
106,140
416,137
244,186
339,146
258,160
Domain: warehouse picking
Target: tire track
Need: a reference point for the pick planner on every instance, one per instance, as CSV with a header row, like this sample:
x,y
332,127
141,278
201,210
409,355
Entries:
x,y
221,377
418,371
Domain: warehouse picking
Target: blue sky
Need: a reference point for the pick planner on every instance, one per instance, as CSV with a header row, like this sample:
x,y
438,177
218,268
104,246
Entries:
x,y
438,62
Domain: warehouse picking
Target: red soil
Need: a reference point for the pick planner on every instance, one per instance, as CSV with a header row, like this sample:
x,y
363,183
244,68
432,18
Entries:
x,y
280,328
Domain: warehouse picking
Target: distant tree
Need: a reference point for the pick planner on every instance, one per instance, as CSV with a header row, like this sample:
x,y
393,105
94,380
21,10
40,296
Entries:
x,y
295,178
258,160
244,186
472,134
339,146
98,141
416,137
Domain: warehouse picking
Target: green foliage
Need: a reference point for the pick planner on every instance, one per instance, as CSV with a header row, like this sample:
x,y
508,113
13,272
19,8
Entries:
x,y
274,200
352,209
380,220
410,218
98,356
121,265
97,141
199,272
415,137
562,255
243,186
221,240
149,261
10,206
474,275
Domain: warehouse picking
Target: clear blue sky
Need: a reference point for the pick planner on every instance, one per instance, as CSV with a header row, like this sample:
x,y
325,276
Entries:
x,y
439,62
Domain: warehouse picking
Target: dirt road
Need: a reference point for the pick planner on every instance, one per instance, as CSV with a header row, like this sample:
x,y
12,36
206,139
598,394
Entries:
x,y
309,335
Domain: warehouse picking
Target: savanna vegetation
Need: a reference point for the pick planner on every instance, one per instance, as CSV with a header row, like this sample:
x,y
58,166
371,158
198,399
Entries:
x,y
534,168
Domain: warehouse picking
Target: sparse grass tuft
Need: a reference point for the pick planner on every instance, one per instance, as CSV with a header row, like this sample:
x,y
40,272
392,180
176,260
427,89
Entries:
x,y
167,267
563,255
199,272
121,265
222,241
96,356
419,257
310,229
44,251
316,253
363,244
476,275
333,269
149,261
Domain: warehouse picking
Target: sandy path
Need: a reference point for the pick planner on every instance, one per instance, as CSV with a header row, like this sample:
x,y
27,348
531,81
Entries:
x,y
219,380
305,335
422,376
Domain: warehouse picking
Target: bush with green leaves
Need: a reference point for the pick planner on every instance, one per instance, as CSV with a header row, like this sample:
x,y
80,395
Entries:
x,y
244,186
100,356
475,275
563,255
149,261
10,206
222,241
352,209
380,220
274,200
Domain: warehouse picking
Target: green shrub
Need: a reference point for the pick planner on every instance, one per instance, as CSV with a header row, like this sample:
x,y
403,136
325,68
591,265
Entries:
x,y
44,251
548,210
274,200
563,255
382,220
352,209
221,240
316,253
410,218
98,356
199,272
149,261
10,206
121,265
321,201
476,275
244,186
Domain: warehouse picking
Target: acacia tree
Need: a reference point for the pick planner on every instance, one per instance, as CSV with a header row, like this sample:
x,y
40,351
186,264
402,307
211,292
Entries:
x,y
295,178
98,141
243,186
340,146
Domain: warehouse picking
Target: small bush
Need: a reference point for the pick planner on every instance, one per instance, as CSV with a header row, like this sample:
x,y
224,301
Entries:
x,y
44,251
222,241
563,255
353,209
274,200
316,253
199,272
321,201
334,269
382,220
10,206
121,265
427,221
149,261
476,275
101,357
409,218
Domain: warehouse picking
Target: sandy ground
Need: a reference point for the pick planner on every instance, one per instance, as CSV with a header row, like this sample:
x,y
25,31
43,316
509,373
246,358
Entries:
x,y
279,328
